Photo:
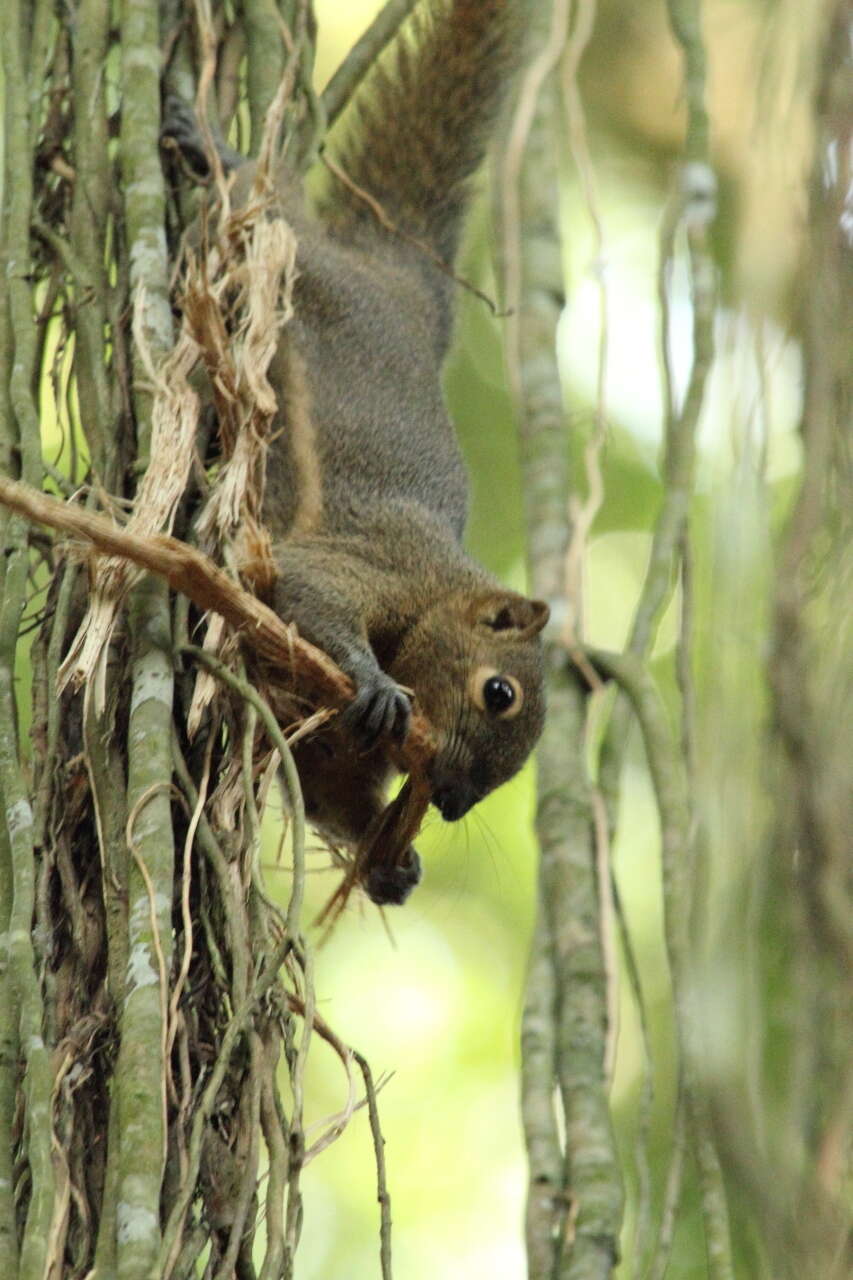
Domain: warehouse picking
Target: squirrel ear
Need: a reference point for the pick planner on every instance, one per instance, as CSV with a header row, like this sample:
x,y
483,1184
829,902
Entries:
x,y
512,613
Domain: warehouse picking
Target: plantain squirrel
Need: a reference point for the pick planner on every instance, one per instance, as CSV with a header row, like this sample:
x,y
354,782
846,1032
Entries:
x,y
367,522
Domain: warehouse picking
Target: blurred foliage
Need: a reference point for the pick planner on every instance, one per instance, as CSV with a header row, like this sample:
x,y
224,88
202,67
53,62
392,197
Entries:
x,y
439,1005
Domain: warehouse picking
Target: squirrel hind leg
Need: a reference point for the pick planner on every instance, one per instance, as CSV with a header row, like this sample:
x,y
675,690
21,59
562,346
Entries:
x,y
180,129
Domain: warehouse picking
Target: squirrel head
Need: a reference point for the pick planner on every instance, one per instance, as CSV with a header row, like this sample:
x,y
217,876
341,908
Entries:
x,y
475,665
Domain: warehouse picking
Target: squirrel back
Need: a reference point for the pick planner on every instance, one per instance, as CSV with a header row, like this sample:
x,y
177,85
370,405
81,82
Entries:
x,y
374,301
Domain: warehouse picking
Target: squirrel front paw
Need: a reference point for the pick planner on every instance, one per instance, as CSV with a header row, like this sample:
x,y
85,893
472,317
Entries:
x,y
380,708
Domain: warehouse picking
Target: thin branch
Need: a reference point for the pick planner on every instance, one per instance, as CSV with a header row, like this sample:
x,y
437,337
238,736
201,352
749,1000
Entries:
x,y
583,513
669,778
266,61
545,1185
91,196
196,576
248,1181
381,1178
235,1030
296,1135
362,56
235,920
574,1190
811,680
700,191
24,1020
275,1131
140,1069
659,1262
294,790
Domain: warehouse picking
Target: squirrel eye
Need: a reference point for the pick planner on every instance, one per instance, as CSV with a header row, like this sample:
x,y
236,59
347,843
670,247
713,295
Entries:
x,y
500,695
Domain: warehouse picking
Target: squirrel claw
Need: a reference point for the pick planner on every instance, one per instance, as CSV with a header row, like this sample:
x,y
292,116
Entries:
x,y
379,709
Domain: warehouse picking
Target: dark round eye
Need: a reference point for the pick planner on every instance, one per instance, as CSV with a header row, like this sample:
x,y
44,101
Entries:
x,y
498,694
502,696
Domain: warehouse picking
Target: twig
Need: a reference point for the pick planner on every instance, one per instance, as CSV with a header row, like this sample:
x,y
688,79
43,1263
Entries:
x,y
545,1191
670,781
155,928
583,513
534,81
233,907
294,791
22,1011
567,984
381,1181
236,1028
271,50
249,1176
647,1092
195,575
606,932
186,914
91,195
659,1262
699,192
296,1135
274,1128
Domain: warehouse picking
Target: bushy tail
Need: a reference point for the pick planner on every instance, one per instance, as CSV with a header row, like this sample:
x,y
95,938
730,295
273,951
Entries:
x,y
423,121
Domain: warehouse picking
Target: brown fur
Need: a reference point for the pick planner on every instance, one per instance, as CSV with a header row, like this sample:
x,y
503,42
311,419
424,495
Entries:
x,y
366,492
289,375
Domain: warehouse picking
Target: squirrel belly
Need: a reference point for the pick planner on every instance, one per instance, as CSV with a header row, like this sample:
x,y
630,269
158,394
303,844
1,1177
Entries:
x,y
366,492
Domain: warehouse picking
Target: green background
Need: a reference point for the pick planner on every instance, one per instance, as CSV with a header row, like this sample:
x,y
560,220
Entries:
x,y
434,999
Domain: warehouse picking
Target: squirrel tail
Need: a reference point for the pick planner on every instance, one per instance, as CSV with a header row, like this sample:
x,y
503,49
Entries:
x,y
424,122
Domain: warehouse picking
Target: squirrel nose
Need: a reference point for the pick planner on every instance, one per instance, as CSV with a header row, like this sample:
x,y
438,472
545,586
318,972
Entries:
x,y
453,799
